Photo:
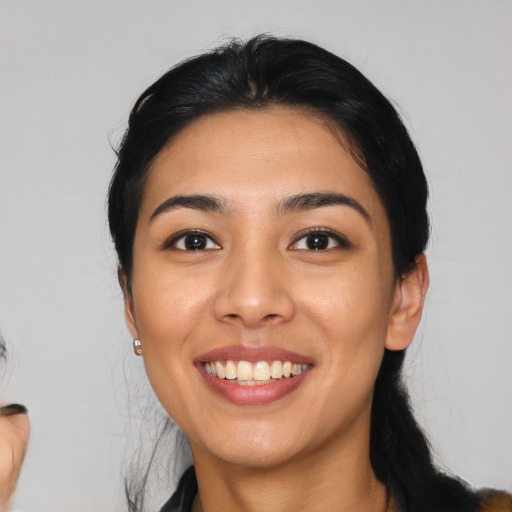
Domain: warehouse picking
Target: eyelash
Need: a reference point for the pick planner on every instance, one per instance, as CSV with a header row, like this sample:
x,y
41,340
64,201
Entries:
x,y
340,240
172,242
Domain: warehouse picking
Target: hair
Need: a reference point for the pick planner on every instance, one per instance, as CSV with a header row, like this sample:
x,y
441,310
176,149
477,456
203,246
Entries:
x,y
3,357
3,349
267,72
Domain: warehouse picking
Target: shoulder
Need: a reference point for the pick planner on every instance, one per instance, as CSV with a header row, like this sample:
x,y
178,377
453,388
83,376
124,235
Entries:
x,y
492,500
446,493
182,499
457,496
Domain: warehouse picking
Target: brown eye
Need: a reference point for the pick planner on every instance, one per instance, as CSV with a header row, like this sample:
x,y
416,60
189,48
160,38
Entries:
x,y
193,241
317,242
320,240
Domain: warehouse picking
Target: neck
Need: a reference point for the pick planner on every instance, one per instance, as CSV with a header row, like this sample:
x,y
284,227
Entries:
x,y
332,479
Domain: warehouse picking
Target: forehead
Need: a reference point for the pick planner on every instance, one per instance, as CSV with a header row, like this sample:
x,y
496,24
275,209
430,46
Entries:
x,y
253,157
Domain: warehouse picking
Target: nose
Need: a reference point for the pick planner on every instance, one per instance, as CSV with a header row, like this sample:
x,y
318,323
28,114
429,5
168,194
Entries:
x,y
253,292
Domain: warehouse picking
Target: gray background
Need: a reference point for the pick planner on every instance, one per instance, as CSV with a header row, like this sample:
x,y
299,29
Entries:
x,y
70,71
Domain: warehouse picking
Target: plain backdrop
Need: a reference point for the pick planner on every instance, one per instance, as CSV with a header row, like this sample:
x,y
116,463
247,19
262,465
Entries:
x,y
70,72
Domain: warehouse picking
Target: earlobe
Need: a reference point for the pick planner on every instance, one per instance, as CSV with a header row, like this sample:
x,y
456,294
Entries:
x,y
129,309
408,306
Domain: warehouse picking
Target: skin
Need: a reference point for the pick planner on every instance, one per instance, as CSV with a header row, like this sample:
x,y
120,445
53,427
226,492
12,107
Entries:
x,y
14,432
257,283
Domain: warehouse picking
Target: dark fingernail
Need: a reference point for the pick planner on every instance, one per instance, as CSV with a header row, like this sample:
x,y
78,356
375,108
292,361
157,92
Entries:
x,y
11,409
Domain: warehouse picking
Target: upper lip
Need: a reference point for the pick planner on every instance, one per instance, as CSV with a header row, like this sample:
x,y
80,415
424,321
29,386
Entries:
x,y
252,354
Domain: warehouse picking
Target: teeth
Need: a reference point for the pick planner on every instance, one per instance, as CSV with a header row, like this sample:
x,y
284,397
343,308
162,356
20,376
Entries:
x,y
276,370
230,370
248,373
244,370
261,371
220,370
296,369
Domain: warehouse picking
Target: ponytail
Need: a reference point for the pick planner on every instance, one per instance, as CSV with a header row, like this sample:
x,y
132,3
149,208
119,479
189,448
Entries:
x,y
400,453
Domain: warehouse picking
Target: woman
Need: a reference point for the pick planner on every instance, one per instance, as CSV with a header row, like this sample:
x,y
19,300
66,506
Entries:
x,y
269,213
14,432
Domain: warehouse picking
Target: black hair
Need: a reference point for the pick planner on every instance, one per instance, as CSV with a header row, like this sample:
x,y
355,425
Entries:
x,y
265,72
3,349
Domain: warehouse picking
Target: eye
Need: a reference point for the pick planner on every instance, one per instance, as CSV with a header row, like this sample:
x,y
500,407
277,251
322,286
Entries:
x,y
192,241
316,239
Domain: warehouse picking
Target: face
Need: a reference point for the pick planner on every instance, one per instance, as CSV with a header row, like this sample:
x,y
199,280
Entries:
x,y
262,287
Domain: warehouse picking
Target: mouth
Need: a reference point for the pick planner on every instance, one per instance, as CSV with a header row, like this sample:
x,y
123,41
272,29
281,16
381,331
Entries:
x,y
253,376
246,373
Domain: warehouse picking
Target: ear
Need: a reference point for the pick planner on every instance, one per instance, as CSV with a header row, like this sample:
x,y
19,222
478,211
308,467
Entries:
x,y
129,308
407,308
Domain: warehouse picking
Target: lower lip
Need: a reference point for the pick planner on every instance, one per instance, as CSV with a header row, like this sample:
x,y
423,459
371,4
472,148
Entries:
x,y
253,395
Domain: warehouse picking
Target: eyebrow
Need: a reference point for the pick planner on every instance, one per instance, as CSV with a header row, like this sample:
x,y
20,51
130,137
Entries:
x,y
203,203
298,202
314,200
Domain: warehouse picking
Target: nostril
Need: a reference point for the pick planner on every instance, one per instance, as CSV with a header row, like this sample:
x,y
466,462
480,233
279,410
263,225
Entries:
x,y
252,308
271,319
266,319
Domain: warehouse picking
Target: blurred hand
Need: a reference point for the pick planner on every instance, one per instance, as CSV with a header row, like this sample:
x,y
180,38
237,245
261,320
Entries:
x,y
14,432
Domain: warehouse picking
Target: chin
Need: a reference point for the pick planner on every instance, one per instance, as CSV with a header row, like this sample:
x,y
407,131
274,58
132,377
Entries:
x,y
257,459
258,450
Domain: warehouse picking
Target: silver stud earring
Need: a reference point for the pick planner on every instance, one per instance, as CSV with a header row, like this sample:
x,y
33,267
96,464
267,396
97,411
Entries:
x,y
137,347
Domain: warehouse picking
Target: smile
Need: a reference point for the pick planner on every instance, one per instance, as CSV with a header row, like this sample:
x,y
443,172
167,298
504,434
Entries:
x,y
253,375
246,373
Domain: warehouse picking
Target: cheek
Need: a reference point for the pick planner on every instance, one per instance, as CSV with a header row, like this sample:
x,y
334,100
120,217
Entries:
x,y
168,307
351,306
169,312
351,309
